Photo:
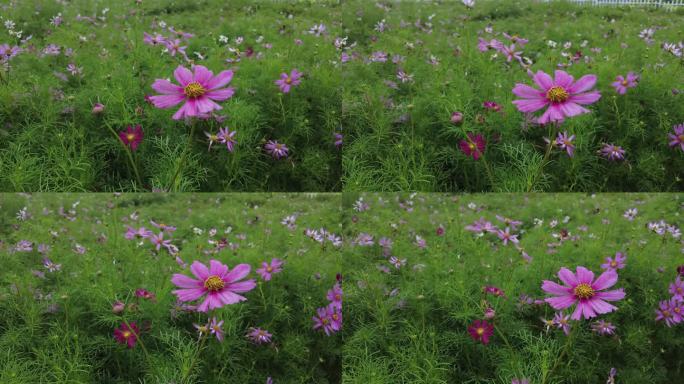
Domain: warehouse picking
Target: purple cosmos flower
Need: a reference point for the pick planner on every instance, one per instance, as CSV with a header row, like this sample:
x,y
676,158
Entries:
x,y
677,290
481,330
622,83
670,311
157,39
456,118
614,263
677,139
563,141
603,327
267,270
276,150
335,295
286,82
215,328
507,236
398,263
474,145
338,139
612,152
516,39
562,321
50,266
158,241
227,137
335,316
163,227
259,336
322,321
514,224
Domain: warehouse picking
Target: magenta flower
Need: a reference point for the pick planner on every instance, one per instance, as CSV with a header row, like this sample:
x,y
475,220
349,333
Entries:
x,y
267,270
322,321
474,146
158,241
562,95
562,321
335,315
456,118
677,289
127,335
217,284
481,330
335,295
612,152
565,141
259,336
670,311
583,290
163,226
677,139
275,149
132,137
227,137
215,327
622,83
505,236
286,82
198,91
614,263
603,327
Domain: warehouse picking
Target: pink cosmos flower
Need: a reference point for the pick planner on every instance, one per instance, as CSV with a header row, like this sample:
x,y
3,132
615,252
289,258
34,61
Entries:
x,y
677,289
622,83
677,139
198,90
481,330
259,336
276,150
217,284
583,290
670,311
614,263
268,269
335,295
286,82
474,146
563,96
132,137
127,335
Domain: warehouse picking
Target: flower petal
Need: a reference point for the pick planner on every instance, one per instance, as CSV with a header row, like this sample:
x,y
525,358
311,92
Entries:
x,y
183,281
527,92
221,94
217,268
584,275
166,87
555,288
563,79
202,75
220,80
237,273
570,109
242,286
206,105
183,75
543,80
166,101
200,270
585,98
606,280
585,83
227,297
189,294
530,105
561,302
614,295
600,306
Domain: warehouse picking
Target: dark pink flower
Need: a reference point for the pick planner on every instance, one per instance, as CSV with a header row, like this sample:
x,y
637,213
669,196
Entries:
x,y
286,82
481,330
474,146
127,335
622,83
132,137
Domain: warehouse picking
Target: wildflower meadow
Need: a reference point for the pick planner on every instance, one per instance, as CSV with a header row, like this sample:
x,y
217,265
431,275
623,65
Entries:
x,y
501,288
170,288
160,95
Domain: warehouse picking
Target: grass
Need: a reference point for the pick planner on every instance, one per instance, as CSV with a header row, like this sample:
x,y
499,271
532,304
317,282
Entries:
x,y
58,329
409,325
403,140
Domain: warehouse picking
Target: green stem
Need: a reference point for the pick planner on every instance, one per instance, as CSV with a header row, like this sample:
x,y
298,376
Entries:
x,y
501,334
128,154
194,359
184,155
142,344
489,171
564,352
541,168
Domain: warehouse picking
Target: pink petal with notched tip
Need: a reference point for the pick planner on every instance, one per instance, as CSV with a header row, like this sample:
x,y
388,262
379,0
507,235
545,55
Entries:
x,y
202,75
605,280
242,286
220,80
221,94
584,276
543,80
237,273
527,92
166,101
183,281
200,270
561,302
570,109
585,98
189,294
563,79
584,84
554,288
530,105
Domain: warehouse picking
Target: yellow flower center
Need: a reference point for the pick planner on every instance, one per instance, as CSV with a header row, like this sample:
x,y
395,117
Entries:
x,y
480,331
584,291
680,137
202,329
677,309
680,290
335,316
269,269
214,283
338,297
130,137
288,80
613,263
194,90
624,83
557,94
666,313
126,334
471,146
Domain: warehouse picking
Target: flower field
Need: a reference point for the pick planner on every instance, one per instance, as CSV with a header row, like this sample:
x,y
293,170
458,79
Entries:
x,y
170,288
503,288
350,95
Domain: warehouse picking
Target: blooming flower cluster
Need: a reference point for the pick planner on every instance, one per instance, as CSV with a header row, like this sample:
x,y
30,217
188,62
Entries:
x,y
329,318
671,311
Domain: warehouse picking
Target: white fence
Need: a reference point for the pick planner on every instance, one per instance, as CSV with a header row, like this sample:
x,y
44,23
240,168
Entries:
x,y
658,3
